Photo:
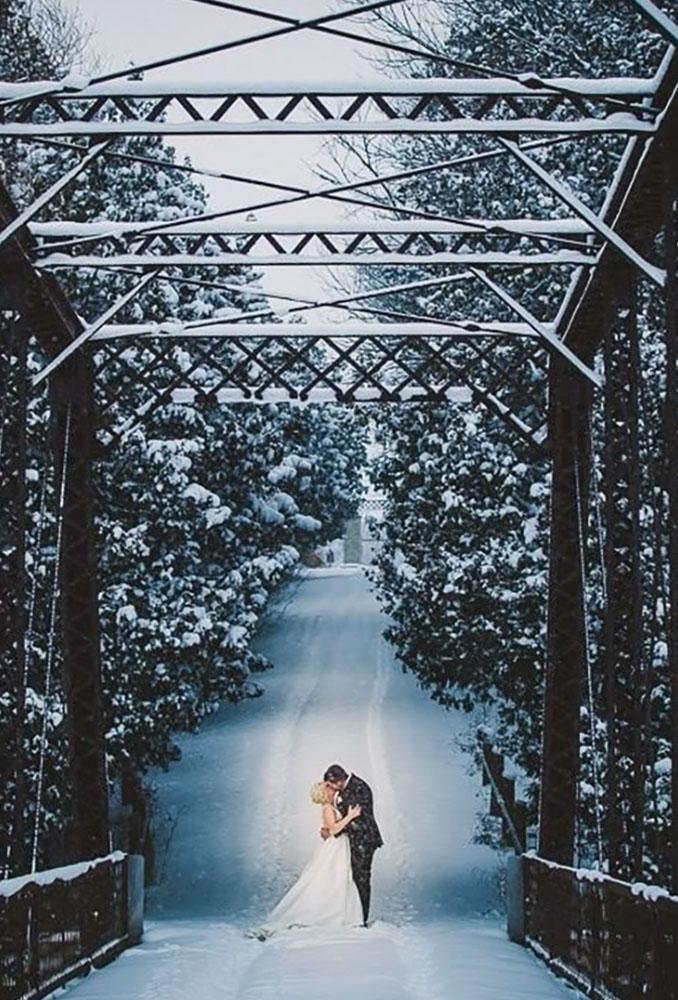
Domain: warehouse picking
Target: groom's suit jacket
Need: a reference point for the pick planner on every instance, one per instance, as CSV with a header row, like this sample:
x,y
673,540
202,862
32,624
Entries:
x,y
363,832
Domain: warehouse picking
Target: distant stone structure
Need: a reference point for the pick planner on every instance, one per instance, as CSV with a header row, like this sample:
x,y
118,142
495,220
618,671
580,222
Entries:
x,y
361,543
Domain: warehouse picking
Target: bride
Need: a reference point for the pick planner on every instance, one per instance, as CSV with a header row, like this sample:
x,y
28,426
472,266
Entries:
x,y
325,894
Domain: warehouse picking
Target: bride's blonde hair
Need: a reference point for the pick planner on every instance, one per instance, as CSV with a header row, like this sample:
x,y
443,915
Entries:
x,y
319,793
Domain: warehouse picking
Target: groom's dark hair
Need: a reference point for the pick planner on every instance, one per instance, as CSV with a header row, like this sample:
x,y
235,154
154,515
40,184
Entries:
x,y
335,773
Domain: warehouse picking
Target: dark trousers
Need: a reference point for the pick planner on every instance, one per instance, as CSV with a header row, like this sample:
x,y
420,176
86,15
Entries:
x,y
361,863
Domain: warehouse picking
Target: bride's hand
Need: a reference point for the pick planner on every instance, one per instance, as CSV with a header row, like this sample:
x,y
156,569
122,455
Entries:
x,y
354,812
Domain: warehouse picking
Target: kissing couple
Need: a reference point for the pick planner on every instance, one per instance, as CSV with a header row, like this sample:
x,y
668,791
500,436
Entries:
x,y
333,889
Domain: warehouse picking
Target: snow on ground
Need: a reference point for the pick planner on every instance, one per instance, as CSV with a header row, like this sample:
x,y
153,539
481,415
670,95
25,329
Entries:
x,y
245,826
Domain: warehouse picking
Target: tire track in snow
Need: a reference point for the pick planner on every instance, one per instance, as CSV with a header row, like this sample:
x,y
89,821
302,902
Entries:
x,y
270,832
419,965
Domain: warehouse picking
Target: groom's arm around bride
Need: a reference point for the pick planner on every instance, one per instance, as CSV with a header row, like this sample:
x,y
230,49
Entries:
x,y
358,793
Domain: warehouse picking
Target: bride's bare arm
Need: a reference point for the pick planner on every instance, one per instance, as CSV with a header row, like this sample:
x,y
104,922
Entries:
x,y
335,826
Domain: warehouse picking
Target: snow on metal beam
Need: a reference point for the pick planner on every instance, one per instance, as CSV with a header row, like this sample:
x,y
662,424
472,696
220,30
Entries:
x,y
618,123
628,210
91,329
489,259
324,394
338,192
617,87
303,331
44,199
66,229
664,25
76,82
333,193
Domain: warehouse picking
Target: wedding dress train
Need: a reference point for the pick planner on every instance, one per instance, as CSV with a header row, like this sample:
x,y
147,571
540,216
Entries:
x,y
324,895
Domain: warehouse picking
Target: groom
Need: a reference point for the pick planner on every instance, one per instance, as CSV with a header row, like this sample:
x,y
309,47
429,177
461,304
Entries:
x,y
363,832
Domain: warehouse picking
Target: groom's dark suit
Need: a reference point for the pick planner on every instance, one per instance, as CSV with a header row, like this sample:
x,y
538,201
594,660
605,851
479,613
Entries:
x,y
363,834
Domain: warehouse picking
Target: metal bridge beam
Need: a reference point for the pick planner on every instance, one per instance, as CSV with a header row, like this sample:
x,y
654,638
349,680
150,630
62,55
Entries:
x,y
623,617
636,207
58,230
44,199
575,204
13,384
671,462
281,259
569,403
46,88
664,25
71,392
602,90
616,124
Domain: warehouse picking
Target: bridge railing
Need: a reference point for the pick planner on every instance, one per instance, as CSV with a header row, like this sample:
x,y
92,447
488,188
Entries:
x,y
611,939
56,925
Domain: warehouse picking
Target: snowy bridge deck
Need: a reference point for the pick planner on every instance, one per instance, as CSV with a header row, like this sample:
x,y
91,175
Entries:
x,y
244,827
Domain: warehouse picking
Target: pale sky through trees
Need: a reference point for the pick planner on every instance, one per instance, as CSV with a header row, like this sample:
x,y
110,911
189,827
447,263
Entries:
x,y
136,31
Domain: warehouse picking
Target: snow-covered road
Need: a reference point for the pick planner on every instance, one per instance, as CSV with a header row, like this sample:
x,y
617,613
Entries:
x,y
245,826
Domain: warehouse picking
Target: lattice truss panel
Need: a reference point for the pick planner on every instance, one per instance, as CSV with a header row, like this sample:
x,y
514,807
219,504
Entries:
x,y
279,366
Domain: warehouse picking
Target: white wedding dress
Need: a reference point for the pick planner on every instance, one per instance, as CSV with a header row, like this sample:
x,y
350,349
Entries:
x,y
324,895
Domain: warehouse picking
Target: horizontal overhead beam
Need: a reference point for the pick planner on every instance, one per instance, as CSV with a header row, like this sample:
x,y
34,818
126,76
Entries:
x,y
564,258
618,123
323,394
304,331
533,87
71,229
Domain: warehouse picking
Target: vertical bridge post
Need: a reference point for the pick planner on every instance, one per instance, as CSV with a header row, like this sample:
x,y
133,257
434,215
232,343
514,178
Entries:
x,y
627,737
44,310
13,385
73,413
569,405
671,460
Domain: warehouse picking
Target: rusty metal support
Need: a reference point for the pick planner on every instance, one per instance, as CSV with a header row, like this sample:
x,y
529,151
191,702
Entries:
x,y
43,307
569,404
623,620
671,456
71,389
13,348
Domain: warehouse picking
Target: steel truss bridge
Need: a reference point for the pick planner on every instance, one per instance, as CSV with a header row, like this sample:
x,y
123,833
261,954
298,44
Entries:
x,y
539,376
